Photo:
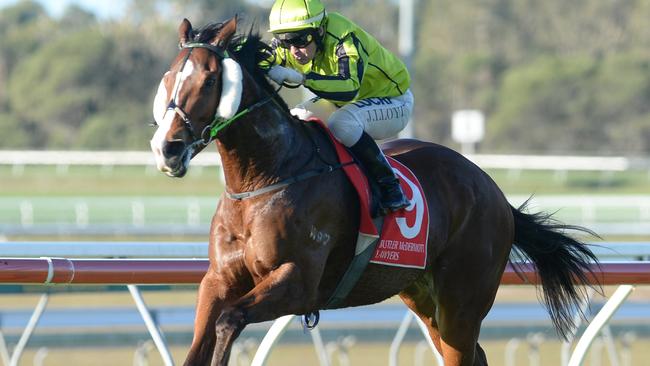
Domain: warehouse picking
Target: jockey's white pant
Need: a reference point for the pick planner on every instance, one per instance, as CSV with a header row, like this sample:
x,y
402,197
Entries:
x,y
380,118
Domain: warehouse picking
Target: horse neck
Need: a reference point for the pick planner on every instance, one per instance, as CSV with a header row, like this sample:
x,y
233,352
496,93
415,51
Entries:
x,y
260,147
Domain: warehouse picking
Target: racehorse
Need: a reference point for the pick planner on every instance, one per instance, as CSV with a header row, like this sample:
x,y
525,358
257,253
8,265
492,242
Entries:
x,y
284,230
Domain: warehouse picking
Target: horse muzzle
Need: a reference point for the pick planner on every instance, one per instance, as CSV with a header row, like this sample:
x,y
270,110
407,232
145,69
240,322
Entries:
x,y
173,157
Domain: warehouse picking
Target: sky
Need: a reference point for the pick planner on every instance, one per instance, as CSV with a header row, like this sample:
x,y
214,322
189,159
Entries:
x,y
103,9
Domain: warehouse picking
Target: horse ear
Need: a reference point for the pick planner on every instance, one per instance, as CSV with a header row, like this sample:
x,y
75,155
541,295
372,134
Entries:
x,y
222,39
185,32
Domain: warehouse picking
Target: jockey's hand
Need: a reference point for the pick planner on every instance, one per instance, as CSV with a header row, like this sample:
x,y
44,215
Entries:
x,y
281,74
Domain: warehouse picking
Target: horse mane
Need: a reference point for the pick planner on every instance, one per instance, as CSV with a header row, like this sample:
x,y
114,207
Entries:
x,y
248,50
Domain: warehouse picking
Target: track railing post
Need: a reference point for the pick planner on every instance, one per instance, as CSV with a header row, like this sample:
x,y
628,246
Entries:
x,y
599,321
152,327
399,338
29,329
427,336
319,346
278,328
565,351
4,352
401,333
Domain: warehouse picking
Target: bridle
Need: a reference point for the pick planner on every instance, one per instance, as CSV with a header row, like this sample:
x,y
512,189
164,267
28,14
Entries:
x,y
219,122
223,119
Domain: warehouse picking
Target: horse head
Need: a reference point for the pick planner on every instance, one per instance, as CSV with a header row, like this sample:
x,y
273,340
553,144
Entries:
x,y
202,87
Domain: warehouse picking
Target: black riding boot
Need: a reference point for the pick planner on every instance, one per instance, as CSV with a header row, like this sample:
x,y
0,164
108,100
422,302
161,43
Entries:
x,y
378,169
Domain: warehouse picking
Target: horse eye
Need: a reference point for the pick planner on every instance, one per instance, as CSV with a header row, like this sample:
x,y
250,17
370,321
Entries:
x,y
210,82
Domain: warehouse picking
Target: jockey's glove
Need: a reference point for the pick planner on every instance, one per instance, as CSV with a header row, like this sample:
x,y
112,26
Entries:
x,y
281,74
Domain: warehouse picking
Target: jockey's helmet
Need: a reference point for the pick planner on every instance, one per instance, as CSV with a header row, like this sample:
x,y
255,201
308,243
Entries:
x,y
296,15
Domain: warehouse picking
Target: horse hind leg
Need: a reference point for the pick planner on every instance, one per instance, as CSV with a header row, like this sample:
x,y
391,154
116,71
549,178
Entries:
x,y
418,298
457,294
465,285
457,342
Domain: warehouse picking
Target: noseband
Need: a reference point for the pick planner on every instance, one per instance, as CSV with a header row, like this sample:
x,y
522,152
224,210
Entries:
x,y
218,122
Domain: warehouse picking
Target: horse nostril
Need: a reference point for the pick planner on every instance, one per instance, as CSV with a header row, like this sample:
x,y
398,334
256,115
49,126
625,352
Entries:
x,y
173,148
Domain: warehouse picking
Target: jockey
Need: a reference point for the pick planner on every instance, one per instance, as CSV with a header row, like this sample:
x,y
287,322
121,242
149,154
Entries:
x,y
362,89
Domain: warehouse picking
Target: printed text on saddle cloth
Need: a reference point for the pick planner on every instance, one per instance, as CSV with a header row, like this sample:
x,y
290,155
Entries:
x,y
403,241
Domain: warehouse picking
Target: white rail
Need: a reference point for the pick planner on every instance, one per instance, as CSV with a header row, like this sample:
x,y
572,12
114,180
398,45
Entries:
x,y
101,158
108,249
552,162
208,158
605,214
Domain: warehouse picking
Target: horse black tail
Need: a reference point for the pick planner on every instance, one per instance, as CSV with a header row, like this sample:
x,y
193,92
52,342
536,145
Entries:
x,y
562,263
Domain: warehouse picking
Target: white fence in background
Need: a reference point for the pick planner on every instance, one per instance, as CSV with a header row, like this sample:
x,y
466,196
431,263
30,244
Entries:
x,y
210,158
620,214
187,215
99,158
558,162
607,215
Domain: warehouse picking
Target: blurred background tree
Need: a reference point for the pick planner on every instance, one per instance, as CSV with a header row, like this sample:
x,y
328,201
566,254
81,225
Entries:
x,y
551,76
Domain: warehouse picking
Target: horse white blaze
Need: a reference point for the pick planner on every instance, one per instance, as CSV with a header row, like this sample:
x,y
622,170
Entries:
x,y
163,118
161,101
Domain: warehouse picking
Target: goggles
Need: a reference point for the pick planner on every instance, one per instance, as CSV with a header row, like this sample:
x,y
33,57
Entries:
x,y
298,40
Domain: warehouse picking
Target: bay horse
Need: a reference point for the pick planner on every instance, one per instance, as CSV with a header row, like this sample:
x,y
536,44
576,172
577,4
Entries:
x,y
284,230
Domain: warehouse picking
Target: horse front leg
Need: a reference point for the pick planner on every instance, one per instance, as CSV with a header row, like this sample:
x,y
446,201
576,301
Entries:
x,y
282,292
208,308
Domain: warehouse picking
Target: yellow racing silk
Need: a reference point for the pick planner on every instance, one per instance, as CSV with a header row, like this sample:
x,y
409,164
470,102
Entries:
x,y
350,65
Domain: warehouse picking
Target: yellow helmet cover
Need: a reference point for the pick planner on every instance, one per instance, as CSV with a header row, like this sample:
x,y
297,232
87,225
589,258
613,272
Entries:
x,y
295,15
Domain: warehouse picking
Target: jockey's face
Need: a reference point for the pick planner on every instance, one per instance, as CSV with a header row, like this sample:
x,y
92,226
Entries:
x,y
301,44
304,54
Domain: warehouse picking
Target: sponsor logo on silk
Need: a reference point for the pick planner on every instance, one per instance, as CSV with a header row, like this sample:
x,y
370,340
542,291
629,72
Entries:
x,y
373,101
417,204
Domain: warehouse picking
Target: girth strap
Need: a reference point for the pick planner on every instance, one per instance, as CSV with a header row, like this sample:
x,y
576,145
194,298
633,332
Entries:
x,y
356,268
